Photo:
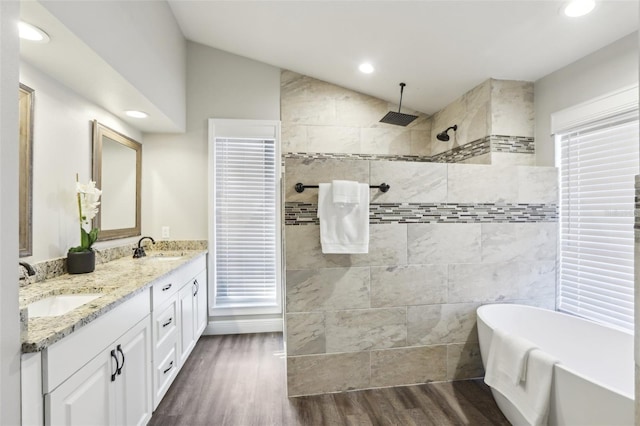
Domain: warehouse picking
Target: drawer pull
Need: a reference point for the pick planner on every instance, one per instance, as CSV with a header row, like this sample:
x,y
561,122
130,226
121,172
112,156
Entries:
x,y
168,322
166,287
119,370
113,355
170,367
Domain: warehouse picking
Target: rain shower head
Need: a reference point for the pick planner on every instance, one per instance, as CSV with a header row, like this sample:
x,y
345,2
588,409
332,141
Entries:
x,y
444,136
398,118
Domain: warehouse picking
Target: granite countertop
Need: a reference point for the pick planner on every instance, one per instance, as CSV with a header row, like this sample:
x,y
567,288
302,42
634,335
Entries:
x,y
117,280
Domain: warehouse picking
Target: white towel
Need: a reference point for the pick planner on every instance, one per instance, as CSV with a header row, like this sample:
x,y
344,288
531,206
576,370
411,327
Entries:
x,y
344,228
346,191
531,395
508,355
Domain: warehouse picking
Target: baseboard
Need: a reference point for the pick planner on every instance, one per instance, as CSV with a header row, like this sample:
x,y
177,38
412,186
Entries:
x,y
244,326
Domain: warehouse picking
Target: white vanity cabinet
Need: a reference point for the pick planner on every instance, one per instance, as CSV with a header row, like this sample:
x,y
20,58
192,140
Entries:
x,y
187,327
201,311
112,389
166,334
193,313
107,386
177,318
116,369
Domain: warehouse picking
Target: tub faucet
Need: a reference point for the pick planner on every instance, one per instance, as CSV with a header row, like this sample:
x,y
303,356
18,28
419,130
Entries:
x,y
30,271
138,252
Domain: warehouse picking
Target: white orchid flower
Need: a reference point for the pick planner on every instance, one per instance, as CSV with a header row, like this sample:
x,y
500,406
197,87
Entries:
x,y
89,197
88,201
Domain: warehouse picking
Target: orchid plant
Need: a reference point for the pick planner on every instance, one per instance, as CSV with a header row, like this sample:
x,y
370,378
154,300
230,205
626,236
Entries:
x,y
88,201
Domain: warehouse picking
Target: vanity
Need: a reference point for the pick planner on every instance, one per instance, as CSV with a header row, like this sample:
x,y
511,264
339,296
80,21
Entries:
x,y
111,359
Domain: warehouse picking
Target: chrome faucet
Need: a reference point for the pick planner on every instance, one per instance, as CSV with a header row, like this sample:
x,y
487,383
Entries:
x,y
138,252
30,271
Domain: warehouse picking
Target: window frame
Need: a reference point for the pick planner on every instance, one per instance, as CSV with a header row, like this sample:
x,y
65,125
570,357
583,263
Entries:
x,y
596,241
244,129
608,106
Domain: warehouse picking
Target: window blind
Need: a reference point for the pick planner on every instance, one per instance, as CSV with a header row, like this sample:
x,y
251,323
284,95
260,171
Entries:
x,y
245,223
598,164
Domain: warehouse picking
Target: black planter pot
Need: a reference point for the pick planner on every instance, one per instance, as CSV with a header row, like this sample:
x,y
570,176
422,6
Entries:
x,y
81,262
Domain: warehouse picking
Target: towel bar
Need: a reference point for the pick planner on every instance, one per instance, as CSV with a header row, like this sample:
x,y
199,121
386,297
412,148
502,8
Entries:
x,y
383,187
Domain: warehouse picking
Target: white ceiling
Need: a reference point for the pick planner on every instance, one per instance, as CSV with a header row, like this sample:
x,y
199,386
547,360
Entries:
x,y
441,49
70,61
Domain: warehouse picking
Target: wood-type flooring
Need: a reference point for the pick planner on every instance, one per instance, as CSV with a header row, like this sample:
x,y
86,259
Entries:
x,y
239,380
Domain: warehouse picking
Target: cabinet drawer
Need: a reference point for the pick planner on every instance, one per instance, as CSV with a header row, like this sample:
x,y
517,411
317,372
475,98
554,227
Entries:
x,y
167,286
166,369
165,322
164,289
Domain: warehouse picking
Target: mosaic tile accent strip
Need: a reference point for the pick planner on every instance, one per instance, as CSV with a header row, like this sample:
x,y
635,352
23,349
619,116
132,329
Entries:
x,y
340,156
464,152
513,144
305,213
491,143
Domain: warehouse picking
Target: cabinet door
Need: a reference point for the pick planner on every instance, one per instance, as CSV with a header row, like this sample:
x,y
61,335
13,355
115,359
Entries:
x,y
87,397
187,340
201,312
133,384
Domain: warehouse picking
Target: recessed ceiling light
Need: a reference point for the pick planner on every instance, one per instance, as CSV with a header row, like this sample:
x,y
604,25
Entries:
x,y
366,68
32,33
136,114
577,8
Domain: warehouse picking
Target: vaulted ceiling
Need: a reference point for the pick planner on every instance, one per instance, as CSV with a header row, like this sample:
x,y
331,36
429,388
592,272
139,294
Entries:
x,y
440,49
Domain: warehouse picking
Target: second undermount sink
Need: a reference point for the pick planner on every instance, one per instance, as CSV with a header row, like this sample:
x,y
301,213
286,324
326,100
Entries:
x,y
54,306
165,258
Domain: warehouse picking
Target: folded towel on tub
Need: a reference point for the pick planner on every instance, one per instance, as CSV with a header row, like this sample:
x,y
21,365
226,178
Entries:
x,y
522,373
508,356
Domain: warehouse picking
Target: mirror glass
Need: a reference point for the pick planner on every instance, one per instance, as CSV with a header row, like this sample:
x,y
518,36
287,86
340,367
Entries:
x,y
116,170
25,106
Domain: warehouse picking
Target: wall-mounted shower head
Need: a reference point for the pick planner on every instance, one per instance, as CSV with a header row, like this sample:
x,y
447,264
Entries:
x,y
444,136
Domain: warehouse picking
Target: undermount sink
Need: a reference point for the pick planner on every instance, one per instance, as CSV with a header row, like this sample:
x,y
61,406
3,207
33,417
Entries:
x,y
164,257
54,306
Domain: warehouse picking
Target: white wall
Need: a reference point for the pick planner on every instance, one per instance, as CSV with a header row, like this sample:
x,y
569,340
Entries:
x,y
139,39
606,70
62,147
9,316
174,176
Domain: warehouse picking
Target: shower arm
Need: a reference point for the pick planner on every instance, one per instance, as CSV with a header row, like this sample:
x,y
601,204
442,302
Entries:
x,y
401,90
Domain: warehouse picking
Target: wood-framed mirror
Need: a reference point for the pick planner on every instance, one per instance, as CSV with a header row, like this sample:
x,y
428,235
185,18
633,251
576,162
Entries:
x,y
117,165
25,170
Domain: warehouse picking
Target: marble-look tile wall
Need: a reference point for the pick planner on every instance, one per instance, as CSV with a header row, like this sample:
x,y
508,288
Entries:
x,y
319,117
493,112
495,124
405,312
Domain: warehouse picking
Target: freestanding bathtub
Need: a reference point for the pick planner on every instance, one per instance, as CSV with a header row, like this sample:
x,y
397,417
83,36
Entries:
x,y
592,384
